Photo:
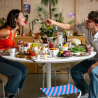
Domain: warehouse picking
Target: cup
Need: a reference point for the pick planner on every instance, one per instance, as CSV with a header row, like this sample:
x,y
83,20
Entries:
x,y
19,47
38,57
54,53
29,45
24,49
35,50
45,50
65,48
12,51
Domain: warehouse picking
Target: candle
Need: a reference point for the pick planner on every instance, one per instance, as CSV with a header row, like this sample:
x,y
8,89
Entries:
x,y
32,25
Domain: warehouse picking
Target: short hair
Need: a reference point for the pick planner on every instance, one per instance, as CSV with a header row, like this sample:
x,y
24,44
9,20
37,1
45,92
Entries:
x,y
93,15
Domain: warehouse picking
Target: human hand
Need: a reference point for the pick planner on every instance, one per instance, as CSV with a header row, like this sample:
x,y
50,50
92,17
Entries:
x,y
89,48
91,67
48,22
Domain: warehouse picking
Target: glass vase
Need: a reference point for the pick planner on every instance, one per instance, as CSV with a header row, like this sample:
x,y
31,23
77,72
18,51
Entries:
x,y
50,40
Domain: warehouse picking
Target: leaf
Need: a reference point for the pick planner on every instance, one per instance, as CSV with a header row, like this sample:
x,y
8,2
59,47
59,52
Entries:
x,y
54,9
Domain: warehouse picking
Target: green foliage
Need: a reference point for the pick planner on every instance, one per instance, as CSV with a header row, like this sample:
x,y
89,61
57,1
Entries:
x,y
50,3
46,2
72,22
48,30
61,18
43,13
2,21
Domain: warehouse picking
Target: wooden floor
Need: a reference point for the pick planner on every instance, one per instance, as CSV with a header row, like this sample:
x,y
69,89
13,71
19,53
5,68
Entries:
x,y
34,82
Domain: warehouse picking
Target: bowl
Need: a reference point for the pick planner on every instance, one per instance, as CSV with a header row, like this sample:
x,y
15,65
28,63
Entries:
x,y
54,53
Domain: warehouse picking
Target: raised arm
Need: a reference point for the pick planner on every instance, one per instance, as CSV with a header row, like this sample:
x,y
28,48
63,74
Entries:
x,y
64,26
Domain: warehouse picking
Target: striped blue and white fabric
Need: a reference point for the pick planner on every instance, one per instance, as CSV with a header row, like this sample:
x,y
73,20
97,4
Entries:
x,y
60,90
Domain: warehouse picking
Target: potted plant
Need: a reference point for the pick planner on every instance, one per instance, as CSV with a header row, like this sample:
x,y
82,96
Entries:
x,y
49,3
48,30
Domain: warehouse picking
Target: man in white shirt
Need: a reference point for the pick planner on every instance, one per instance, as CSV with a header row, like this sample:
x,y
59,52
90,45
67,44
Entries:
x,y
90,29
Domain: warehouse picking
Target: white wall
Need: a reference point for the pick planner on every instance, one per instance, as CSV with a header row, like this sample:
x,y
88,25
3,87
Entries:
x,y
84,7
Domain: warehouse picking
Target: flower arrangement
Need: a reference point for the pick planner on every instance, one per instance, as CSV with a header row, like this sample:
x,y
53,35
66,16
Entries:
x,y
48,30
42,15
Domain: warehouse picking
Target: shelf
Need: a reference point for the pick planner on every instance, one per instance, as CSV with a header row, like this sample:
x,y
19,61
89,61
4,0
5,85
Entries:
x,y
18,37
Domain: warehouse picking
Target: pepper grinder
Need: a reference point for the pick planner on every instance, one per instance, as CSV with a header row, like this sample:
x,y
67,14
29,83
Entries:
x,y
60,39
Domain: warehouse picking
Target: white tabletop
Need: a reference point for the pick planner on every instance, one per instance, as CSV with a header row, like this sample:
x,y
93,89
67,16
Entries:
x,y
48,62
52,60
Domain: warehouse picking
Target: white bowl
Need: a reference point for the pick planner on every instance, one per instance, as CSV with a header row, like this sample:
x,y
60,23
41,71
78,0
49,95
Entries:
x,y
45,44
54,53
24,49
29,45
65,48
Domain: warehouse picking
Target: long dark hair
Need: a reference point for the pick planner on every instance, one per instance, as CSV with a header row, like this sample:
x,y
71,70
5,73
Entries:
x,y
11,19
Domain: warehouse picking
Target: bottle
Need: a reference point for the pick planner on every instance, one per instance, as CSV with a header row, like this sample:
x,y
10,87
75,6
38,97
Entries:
x,y
60,39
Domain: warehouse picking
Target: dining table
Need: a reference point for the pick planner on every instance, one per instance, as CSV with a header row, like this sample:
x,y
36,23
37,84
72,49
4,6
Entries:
x,y
50,60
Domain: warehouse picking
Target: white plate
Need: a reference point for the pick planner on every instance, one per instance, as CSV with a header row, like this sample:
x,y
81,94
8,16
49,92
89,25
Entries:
x,y
78,54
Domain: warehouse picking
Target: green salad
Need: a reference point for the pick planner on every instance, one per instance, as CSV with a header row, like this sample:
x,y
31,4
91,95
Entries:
x,y
78,49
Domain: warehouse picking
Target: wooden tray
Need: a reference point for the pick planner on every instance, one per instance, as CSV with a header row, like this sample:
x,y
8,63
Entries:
x,y
20,56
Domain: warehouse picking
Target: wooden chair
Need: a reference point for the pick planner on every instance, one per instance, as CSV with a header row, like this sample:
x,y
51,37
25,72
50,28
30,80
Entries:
x,y
3,82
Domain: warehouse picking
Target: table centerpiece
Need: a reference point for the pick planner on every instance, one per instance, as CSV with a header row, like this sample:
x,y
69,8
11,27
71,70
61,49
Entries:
x,y
48,31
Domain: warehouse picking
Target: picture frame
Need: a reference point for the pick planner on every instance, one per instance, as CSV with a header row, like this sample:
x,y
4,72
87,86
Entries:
x,y
26,8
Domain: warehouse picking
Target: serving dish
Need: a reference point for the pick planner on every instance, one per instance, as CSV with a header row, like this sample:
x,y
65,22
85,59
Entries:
x,y
81,54
5,53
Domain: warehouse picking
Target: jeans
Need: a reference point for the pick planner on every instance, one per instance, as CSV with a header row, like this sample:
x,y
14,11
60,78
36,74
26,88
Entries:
x,y
82,68
16,73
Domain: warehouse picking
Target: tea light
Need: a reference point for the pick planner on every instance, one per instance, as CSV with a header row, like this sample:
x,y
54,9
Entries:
x,y
37,56
45,54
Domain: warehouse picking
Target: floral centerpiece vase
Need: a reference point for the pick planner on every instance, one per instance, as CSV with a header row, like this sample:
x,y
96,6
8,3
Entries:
x,y
50,40
49,31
